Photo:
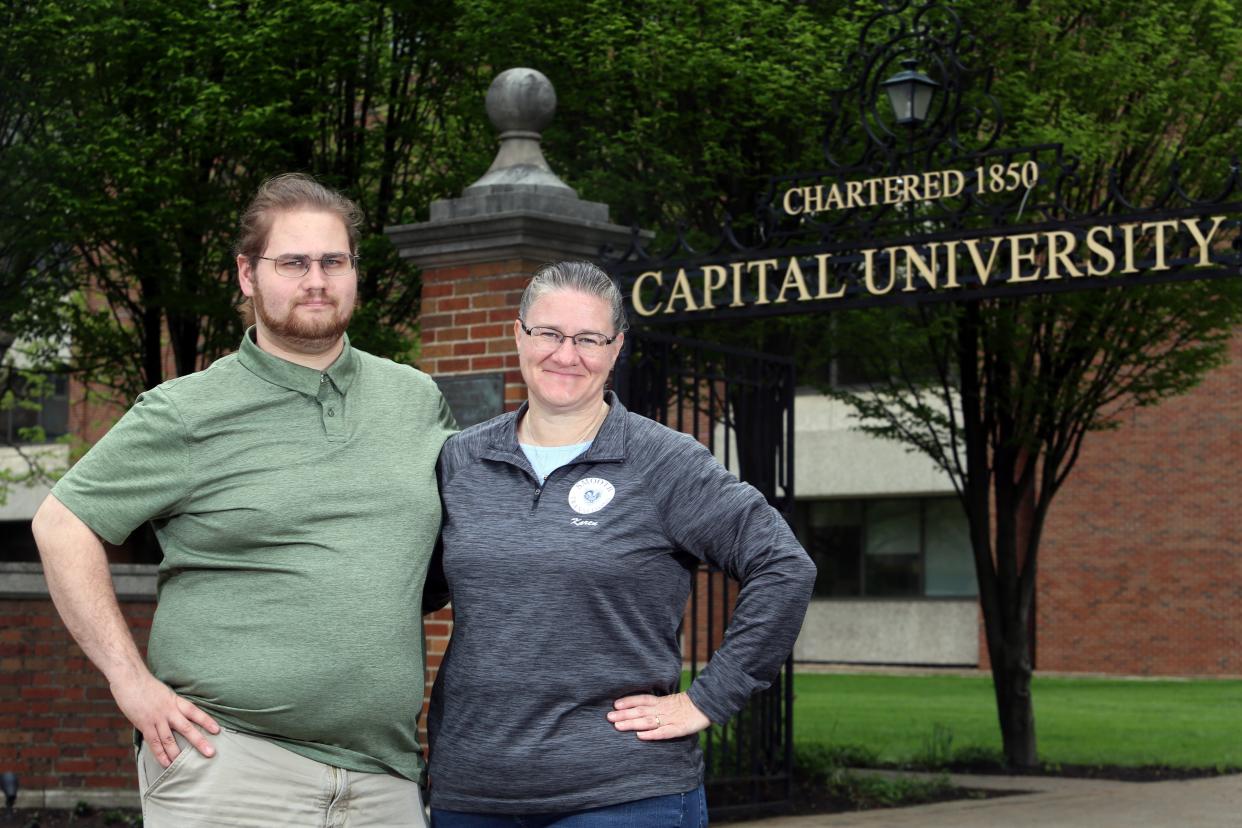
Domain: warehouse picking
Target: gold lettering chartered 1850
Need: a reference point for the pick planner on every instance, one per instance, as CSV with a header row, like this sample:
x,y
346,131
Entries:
x,y
900,189
1098,251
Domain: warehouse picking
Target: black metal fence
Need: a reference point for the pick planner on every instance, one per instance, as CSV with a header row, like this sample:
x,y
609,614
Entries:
x,y
739,404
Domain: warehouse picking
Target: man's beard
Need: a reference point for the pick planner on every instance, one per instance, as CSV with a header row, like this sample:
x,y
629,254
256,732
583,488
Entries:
x,y
311,334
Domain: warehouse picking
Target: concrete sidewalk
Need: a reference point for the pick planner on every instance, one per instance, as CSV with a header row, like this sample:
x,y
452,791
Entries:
x,y
1050,802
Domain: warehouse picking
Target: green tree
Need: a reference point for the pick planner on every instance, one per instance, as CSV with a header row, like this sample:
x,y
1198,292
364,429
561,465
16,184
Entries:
x,y
29,279
1001,394
154,122
672,112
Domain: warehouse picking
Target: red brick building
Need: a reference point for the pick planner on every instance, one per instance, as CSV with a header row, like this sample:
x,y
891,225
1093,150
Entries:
x,y
1141,567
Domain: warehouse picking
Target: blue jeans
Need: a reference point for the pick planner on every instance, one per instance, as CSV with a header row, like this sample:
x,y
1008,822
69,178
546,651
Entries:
x,y
684,810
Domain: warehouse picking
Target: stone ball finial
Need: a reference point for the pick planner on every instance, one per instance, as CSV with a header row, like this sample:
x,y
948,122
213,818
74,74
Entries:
x,y
520,104
521,100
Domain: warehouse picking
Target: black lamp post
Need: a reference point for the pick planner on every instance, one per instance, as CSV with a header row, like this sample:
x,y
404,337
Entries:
x,y
910,93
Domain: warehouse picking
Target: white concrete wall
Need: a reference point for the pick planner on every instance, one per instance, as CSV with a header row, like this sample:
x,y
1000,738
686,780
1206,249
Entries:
x,y
132,582
834,460
875,631
22,499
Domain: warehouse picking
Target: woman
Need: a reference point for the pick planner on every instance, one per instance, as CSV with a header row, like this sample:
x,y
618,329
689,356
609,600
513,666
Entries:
x,y
572,529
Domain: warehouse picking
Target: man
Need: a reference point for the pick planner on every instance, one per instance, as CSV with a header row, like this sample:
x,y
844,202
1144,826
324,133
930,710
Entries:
x,y
292,488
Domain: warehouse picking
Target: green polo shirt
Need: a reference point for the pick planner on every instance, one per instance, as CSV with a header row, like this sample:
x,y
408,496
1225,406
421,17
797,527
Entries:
x,y
297,511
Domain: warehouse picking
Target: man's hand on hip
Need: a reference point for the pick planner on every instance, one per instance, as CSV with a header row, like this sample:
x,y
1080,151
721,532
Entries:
x,y
157,712
76,567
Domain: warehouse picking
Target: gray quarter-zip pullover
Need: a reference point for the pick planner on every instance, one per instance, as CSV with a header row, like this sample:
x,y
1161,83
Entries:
x,y
570,594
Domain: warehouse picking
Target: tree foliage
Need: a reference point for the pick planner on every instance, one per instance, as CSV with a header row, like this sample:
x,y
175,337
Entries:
x,y
155,121
151,123
1001,394
669,111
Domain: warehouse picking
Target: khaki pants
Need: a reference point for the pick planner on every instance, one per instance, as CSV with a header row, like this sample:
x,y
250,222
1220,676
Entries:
x,y
254,783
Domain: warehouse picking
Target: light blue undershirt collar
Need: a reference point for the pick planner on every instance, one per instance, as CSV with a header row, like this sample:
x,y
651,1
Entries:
x,y
547,459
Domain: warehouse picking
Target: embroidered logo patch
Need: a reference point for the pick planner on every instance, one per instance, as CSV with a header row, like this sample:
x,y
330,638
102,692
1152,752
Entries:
x,y
590,494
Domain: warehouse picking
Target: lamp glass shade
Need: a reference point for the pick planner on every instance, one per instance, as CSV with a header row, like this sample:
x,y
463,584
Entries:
x,y
910,94
901,97
922,101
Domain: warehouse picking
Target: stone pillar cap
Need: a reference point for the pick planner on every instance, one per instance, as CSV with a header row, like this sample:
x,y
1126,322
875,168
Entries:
x,y
520,104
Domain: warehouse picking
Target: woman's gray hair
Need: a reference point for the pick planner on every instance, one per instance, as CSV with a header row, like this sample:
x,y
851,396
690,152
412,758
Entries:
x,y
583,277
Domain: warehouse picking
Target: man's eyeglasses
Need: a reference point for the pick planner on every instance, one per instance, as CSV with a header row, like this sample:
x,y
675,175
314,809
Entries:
x,y
295,267
549,339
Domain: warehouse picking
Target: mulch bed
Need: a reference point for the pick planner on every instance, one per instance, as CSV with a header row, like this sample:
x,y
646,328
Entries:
x,y
106,818
809,796
815,799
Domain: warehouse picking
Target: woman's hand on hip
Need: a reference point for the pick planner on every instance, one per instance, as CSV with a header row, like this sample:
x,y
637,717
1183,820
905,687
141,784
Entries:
x,y
658,717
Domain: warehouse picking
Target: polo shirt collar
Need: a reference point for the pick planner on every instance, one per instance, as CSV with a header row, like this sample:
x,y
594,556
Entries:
x,y
297,377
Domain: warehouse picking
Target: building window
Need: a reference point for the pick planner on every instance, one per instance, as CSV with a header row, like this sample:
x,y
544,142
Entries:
x,y
23,409
888,548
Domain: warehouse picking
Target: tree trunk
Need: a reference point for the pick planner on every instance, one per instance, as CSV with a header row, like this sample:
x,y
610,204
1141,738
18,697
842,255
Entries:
x,y
1011,677
998,563
183,336
151,329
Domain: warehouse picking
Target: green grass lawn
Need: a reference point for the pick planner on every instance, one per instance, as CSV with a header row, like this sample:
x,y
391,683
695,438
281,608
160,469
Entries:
x,y
1077,721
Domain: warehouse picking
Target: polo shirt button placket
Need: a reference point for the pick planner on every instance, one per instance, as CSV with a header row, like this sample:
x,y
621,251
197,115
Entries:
x,y
329,401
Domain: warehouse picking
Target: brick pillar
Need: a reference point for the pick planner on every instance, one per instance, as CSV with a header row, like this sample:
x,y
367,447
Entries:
x,y
466,327
478,252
